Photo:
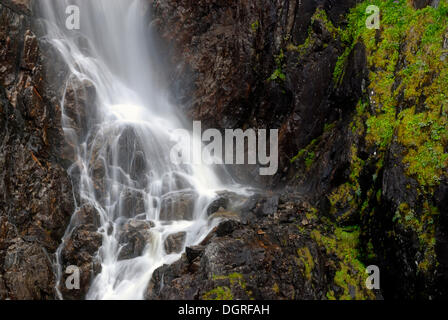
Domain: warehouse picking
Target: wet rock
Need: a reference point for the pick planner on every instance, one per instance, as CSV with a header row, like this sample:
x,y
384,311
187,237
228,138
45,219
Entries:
x,y
175,242
178,206
138,166
129,150
37,200
80,250
231,54
441,197
263,259
79,110
226,228
193,252
28,272
20,6
267,206
134,236
87,216
223,214
216,205
131,204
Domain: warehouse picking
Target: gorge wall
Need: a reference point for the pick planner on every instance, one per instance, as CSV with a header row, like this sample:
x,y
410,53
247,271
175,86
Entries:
x,y
361,114
36,195
363,143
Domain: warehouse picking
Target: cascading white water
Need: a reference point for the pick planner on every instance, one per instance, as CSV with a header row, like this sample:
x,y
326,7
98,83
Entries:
x,y
129,136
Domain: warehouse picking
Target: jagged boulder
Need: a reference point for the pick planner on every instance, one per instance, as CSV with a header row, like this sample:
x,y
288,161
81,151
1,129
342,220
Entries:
x,y
134,236
174,242
178,206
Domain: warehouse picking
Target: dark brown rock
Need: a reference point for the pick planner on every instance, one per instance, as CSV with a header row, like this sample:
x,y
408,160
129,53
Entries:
x,y
134,236
264,259
225,53
28,272
178,206
175,242
80,250
36,199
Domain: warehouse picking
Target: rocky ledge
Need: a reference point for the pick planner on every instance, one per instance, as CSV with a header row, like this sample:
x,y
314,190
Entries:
x,y
270,247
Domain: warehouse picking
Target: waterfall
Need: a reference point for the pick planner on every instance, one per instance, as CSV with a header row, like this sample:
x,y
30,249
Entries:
x,y
125,145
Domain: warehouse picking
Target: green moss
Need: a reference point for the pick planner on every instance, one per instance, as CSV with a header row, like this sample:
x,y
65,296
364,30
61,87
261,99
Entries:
x,y
405,103
307,154
423,225
219,293
330,295
278,74
329,126
338,73
255,25
305,261
422,81
370,252
346,198
303,48
348,282
309,159
350,273
380,129
275,288
321,16
232,280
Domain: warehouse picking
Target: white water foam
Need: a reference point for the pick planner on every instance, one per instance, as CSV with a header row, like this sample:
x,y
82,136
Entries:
x,y
131,119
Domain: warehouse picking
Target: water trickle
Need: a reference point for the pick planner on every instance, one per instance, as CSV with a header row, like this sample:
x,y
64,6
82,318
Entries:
x,y
122,139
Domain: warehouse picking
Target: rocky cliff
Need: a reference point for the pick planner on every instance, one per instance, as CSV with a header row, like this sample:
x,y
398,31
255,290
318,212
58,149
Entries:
x,y
362,115
362,120
36,196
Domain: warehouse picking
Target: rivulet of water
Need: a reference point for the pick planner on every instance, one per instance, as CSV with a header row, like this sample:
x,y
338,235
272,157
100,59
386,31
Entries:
x,y
125,148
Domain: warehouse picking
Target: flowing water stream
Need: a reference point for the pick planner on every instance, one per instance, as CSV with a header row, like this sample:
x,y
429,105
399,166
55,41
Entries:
x,y
126,147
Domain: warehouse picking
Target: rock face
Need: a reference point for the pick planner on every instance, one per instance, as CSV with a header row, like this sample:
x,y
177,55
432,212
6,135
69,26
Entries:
x,y
135,235
174,242
178,206
347,107
362,164
276,256
36,196
234,59
80,250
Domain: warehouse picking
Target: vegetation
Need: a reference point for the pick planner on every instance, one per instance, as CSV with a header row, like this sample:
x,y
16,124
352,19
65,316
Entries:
x,y
255,25
407,83
278,74
224,291
306,261
350,275
407,105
